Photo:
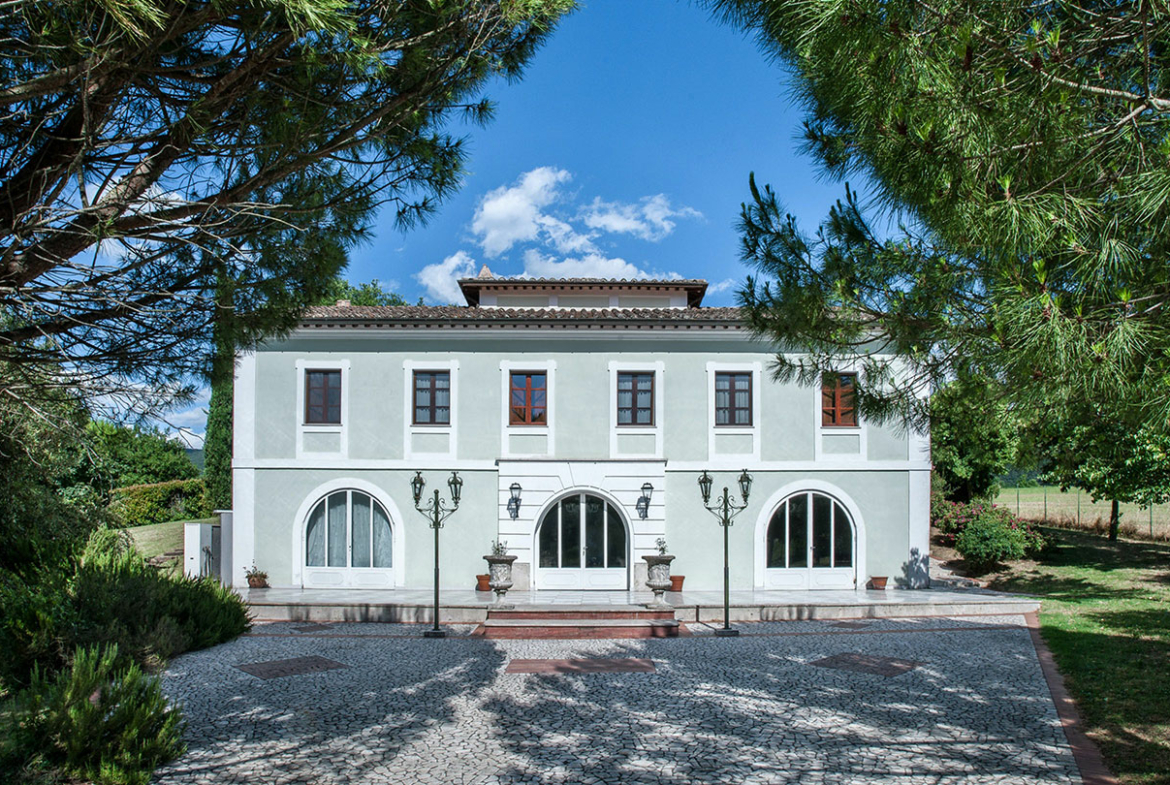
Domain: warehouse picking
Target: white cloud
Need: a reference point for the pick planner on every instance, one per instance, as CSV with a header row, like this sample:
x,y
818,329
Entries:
x,y
514,213
187,425
564,237
441,279
557,236
593,265
187,438
649,219
726,285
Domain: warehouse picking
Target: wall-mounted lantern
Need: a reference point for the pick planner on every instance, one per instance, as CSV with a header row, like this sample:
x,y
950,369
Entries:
x,y
643,504
514,501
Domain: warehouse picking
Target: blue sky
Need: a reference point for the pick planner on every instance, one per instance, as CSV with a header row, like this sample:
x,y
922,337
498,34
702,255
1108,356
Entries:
x,y
624,151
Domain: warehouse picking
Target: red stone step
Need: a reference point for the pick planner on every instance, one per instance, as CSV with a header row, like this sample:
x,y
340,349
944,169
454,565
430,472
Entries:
x,y
593,615
577,623
573,629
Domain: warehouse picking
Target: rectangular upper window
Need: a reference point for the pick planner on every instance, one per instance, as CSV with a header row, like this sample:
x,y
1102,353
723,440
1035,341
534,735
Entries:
x,y
432,397
635,398
322,397
838,409
733,398
528,400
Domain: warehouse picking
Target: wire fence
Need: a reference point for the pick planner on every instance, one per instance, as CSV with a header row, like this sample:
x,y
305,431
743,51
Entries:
x,y
1074,508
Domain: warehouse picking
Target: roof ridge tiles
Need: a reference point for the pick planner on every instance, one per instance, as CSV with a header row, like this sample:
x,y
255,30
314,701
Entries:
x,y
421,313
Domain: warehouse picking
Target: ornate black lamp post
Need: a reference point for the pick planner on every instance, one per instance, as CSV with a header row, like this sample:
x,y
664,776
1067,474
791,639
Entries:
x,y
438,511
725,509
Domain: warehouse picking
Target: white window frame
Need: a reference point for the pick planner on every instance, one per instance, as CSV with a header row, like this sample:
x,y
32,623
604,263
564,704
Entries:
x,y
507,430
342,428
861,429
409,429
757,371
658,368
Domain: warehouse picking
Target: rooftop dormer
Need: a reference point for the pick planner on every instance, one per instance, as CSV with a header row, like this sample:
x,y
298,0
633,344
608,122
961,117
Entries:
x,y
489,291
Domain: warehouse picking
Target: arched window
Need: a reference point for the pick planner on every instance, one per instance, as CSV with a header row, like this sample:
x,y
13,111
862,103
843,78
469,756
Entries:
x,y
349,529
809,529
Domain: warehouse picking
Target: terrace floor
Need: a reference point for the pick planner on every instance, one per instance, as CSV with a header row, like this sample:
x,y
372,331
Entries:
x,y
463,606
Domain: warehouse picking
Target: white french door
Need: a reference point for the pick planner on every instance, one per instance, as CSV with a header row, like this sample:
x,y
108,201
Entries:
x,y
811,544
348,543
582,543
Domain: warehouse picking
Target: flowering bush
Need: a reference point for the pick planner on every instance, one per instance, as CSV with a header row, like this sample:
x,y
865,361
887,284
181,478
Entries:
x,y
983,533
944,514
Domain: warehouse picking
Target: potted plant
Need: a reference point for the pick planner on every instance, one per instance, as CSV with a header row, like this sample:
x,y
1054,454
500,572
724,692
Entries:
x,y
257,578
878,582
676,582
483,582
658,572
500,569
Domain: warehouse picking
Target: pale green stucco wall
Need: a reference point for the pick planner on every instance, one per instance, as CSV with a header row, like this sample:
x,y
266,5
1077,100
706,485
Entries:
x,y
789,418
465,538
693,534
582,397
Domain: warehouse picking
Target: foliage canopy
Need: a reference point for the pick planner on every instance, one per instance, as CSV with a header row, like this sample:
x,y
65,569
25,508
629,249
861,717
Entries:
x,y
1024,146
149,149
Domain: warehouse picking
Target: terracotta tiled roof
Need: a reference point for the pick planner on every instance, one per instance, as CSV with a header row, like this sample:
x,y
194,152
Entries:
x,y
695,288
461,315
498,281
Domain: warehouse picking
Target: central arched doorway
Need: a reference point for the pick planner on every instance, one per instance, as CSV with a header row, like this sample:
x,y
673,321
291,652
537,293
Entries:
x,y
582,542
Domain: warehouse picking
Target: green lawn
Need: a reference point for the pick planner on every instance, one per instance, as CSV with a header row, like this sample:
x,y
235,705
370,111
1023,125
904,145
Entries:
x,y
1106,616
1072,507
158,538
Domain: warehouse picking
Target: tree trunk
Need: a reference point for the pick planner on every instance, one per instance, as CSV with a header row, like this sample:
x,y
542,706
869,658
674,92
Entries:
x,y
1114,520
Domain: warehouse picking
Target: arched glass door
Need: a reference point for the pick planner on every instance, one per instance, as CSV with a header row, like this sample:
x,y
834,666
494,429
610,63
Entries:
x,y
348,542
810,544
582,543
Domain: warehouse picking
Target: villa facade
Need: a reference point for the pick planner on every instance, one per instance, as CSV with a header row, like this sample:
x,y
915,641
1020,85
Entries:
x,y
579,415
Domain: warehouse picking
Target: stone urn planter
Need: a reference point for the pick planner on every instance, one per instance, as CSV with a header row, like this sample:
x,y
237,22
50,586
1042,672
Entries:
x,y
500,570
658,575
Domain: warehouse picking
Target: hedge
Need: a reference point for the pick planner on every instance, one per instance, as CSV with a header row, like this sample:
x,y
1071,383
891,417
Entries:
x,y
176,500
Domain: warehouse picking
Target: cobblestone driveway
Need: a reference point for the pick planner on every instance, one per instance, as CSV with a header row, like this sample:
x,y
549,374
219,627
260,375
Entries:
x,y
717,710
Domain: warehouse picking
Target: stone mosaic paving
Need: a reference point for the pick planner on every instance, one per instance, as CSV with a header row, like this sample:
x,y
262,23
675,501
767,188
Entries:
x,y
867,663
751,709
293,666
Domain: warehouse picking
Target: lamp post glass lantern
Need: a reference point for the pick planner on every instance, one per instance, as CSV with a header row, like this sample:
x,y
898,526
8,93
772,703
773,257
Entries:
x,y
437,510
725,509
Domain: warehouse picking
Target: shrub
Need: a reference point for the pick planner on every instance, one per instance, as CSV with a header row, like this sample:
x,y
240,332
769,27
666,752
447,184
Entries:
x,y
149,614
137,505
107,594
96,721
986,534
37,622
986,541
